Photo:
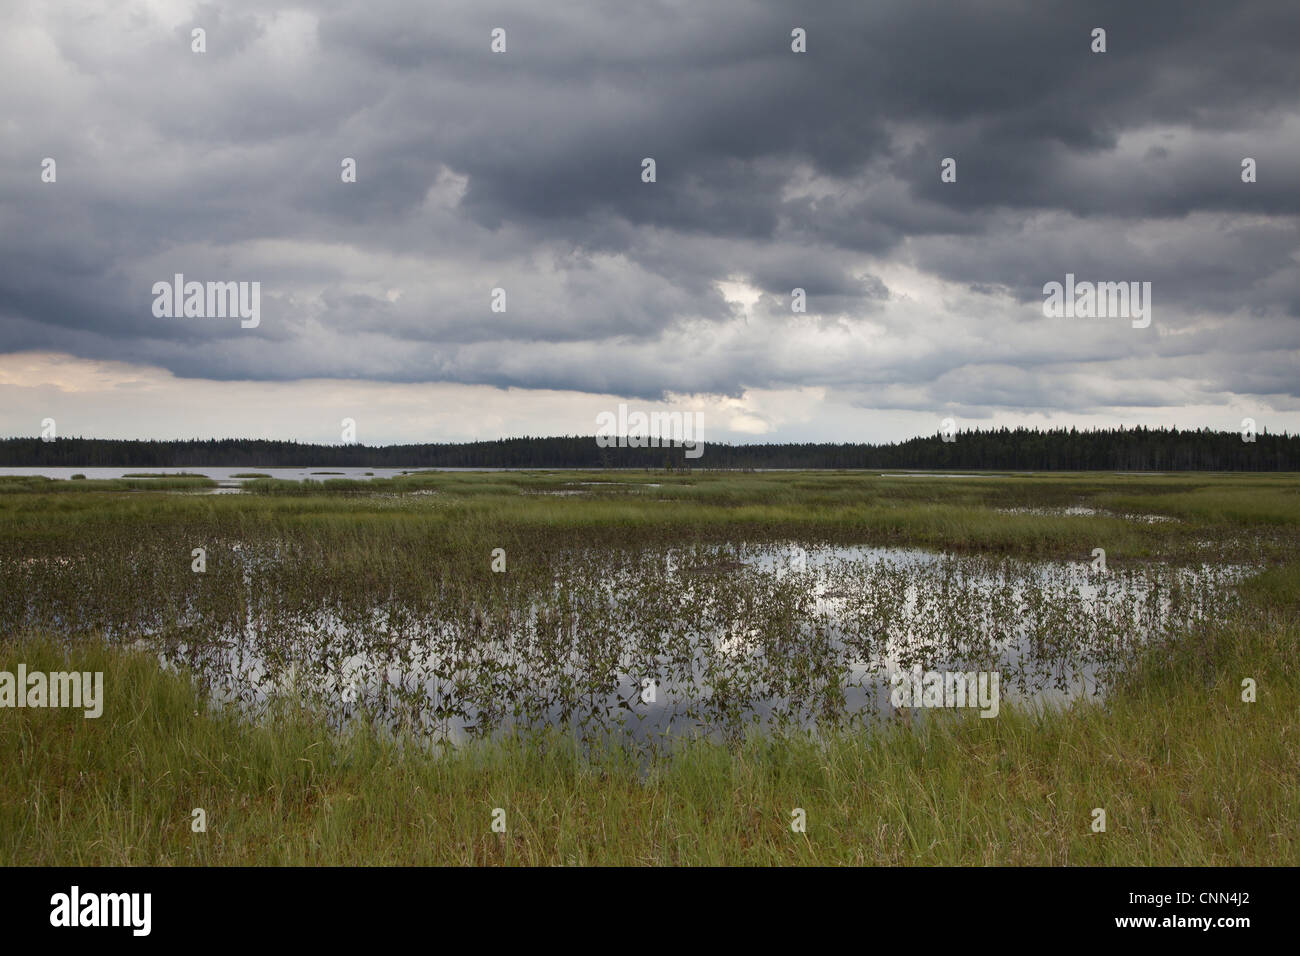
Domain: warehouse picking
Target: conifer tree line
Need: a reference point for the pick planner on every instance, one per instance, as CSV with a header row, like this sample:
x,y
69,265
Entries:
x,y
1020,449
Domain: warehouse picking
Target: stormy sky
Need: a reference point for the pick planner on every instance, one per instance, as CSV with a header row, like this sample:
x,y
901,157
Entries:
x,y
523,171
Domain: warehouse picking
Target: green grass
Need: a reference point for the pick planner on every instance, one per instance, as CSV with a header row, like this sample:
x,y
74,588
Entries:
x,y
37,484
1187,773
466,512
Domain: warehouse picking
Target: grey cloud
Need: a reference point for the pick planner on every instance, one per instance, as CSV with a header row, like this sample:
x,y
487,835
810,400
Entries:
x,y
818,171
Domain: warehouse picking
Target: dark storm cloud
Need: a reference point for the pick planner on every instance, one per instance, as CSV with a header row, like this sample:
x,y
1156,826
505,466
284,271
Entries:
x,y
775,171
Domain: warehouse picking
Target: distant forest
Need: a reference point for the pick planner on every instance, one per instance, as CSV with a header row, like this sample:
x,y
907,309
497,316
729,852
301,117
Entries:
x,y
1022,449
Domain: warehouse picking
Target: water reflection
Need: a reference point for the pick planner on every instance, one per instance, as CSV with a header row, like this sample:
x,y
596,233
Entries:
x,y
699,640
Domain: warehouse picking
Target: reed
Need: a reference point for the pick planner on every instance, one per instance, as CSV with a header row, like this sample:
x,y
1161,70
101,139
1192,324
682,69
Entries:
x,y
472,689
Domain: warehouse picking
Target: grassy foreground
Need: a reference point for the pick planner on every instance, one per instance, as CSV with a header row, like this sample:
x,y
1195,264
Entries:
x,y
1187,773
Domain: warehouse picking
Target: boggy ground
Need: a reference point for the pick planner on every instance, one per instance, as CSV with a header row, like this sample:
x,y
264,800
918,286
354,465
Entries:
x,y
1186,771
